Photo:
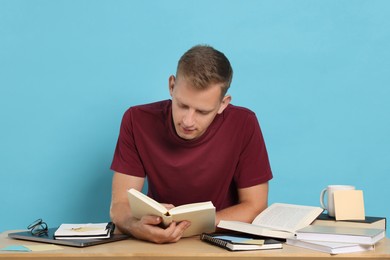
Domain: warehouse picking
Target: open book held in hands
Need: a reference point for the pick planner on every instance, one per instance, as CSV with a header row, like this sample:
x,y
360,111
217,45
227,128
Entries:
x,y
278,220
201,215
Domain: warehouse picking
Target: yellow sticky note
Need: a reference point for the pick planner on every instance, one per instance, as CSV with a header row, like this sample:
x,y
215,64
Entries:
x,y
349,205
38,248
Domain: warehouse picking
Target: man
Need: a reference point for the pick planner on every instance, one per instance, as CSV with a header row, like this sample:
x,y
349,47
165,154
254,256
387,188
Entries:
x,y
195,147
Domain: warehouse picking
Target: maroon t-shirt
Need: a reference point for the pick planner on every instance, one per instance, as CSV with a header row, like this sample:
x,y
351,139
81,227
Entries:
x,y
231,154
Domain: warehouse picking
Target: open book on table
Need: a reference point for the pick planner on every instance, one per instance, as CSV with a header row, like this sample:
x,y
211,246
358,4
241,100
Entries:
x,y
201,215
278,220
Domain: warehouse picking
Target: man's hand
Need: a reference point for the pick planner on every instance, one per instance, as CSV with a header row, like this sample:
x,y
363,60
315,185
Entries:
x,y
148,228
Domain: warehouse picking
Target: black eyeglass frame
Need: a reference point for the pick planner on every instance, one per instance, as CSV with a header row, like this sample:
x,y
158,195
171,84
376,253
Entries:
x,y
38,228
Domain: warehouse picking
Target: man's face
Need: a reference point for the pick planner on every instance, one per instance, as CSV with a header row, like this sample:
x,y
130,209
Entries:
x,y
193,110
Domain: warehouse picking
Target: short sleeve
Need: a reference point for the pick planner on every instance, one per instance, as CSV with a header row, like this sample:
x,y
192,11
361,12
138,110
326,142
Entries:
x,y
253,167
126,158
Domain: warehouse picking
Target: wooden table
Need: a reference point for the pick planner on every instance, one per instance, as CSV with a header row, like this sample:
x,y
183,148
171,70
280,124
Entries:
x,y
187,248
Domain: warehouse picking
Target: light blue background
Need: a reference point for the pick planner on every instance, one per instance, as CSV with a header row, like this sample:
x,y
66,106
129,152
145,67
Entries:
x,y
317,74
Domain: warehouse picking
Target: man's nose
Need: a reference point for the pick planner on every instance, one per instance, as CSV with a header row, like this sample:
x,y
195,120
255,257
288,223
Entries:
x,y
189,118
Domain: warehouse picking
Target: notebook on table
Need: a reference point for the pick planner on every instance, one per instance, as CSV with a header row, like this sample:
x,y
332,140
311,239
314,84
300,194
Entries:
x,y
49,238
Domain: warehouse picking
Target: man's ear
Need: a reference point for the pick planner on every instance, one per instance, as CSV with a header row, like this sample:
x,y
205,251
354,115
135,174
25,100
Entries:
x,y
225,102
171,84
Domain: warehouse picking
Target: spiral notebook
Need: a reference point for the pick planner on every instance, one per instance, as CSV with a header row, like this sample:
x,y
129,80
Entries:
x,y
240,242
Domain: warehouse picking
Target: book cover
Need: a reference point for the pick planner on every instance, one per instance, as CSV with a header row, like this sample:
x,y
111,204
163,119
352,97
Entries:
x,y
368,222
240,242
329,247
279,220
201,215
365,236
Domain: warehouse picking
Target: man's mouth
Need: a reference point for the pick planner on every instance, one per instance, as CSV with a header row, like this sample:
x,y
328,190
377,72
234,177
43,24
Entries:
x,y
187,130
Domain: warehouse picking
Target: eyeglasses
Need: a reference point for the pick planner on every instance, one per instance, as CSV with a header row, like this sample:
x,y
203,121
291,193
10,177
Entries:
x,y
38,228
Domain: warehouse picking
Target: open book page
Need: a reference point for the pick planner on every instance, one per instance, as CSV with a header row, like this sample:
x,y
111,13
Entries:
x,y
142,205
287,217
253,229
191,207
202,219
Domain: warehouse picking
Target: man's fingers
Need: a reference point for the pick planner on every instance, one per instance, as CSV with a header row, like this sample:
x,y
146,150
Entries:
x,y
151,220
168,206
149,230
177,230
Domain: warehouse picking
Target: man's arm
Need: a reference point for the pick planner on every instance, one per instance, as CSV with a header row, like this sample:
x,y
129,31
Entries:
x,y
252,201
146,228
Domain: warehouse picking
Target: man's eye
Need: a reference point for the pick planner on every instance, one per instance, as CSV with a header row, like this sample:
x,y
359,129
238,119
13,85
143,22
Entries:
x,y
204,112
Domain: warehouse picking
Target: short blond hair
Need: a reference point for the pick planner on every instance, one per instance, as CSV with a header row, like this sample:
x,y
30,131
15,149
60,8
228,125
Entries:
x,y
203,65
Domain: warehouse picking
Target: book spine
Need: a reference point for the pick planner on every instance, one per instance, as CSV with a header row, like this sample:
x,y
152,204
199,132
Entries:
x,y
214,241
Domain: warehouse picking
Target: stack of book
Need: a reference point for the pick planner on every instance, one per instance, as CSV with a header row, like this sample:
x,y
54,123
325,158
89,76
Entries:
x,y
309,227
335,237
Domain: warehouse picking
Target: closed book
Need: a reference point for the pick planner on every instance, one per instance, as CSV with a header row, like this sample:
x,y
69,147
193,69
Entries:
x,y
332,248
364,236
240,243
368,222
